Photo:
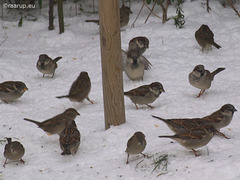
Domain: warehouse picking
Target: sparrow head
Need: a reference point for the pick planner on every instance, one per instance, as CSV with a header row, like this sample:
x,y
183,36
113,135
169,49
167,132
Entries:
x,y
199,69
44,60
158,86
20,86
228,108
140,136
71,113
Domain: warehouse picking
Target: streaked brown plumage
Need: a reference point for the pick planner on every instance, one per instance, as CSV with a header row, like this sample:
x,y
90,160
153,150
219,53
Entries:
x,y
12,90
56,124
70,139
219,119
79,89
145,94
194,138
13,150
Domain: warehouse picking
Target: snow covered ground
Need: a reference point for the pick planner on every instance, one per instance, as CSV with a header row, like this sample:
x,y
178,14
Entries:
x,y
173,52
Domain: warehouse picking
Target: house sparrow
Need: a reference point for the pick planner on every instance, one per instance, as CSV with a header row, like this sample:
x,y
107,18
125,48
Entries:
x,y
79,89
134,66
56,124
124,16
145,94
70,138
194,138
136,144
13,151
204,37
202,78
12,90
46,65
138,45
219,119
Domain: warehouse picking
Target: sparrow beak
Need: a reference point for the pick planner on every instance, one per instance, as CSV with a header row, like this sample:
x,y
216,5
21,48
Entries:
x,y
25,89
162,90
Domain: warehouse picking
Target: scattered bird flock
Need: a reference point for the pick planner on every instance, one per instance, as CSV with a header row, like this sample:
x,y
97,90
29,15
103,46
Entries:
x,y
191,133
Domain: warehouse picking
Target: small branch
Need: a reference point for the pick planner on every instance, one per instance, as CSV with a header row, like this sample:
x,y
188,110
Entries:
x,y
3,41
155,1
150,9
208,7
229,1
137,16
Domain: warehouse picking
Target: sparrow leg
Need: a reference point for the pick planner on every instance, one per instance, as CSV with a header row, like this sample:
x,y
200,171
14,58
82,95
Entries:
x,y
5,163
43,75
144,155
195,152
149,106
136,105
53,75
5,101
22,161
127,159
89,100
223,135
200,93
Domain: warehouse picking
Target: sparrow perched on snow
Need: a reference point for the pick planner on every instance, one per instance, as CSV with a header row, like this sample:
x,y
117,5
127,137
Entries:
x,y
136,144
204,37
145,94
194,138
137,46
80,89
124,16
46,65
13,151
134,66
219,119
202,78
12,90
70,138
56,124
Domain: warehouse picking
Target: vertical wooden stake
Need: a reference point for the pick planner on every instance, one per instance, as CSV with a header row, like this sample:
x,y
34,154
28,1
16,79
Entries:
x,y
112,79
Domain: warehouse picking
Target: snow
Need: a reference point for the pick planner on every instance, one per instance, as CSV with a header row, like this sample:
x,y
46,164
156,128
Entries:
x,y
173,52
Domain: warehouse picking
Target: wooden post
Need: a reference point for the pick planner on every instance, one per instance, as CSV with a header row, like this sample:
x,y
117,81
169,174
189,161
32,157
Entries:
x,y
112,79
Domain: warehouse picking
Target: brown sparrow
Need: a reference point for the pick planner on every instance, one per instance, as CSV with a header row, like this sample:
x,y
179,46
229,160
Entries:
x,y
202,78
124,16
46,65
194,138
145,94
221,118
13,151
134,66
80,89
136,144
204,37
70,138
56,124
138,45
12,90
